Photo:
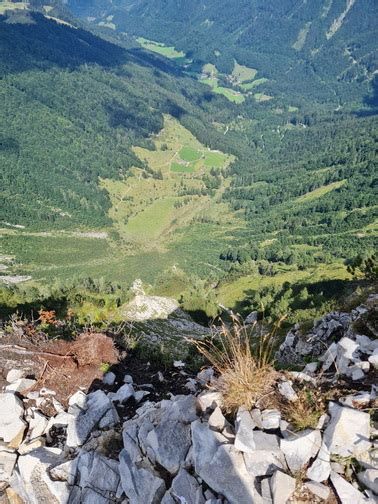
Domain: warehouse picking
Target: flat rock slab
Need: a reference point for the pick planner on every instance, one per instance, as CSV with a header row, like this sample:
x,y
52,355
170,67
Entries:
x,y
12,426
170,442
348,432
140,485
300,448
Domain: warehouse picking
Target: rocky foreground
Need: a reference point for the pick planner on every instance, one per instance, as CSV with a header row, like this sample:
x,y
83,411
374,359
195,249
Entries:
x,y
116,445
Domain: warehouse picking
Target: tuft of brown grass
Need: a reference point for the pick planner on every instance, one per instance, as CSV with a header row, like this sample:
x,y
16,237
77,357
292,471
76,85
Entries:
x,y
243,359
306,411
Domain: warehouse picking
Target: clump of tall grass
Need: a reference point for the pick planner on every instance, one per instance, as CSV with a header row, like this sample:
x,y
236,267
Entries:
x,y
242,356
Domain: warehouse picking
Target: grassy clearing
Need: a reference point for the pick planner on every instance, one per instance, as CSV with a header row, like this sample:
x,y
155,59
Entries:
x,y
138,202
4,6
182,168
320,191
230,94
188,154
243,73
151,222
215,159
159,48
261,97
302,36
251,85
292,109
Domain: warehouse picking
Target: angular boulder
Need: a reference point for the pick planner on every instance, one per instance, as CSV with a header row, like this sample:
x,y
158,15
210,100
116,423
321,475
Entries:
x,y
348,432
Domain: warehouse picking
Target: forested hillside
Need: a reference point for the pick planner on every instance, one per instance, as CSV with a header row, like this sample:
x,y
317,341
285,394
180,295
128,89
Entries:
x,y
324,50
72,107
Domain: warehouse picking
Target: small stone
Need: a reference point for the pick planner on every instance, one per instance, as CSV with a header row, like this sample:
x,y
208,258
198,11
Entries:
x,y
21,385
359,400
286,390
109,378
270,419
129,379
124,393
348,348
318,489
299,449
373,359
206,376
170,442
65,472
358,374
178,364
37,425
217,421
244,424
14,375
34,444
7,463
139,394
185,488
282,486
369,479
210,400
311,368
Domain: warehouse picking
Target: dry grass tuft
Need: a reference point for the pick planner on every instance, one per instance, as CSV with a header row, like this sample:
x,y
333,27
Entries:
x,y
306,411
243,358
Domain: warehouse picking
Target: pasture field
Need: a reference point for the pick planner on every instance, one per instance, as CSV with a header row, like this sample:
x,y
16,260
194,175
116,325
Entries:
x,y
159,48
320,191
230,94
243,73
4,6
251,85
189,154
182,168
147,211
261,97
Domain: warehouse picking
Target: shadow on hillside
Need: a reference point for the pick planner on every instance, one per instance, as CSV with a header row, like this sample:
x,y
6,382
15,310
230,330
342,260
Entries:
x,y
319,292
28,40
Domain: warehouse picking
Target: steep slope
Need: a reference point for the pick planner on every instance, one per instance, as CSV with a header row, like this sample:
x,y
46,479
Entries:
x,y
72,107
323,49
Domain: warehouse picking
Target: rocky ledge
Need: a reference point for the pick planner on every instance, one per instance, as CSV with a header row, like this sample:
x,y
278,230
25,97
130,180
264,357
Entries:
x,y
116,445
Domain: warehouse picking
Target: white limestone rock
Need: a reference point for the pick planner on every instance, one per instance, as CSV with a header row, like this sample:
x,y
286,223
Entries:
x,y
245,426
21,385
321,467
286,390
109,378
348,432
14,375
270,419
123,394
282,486
12,425
369,479
318,489
140,485
300,448
170,443
7,463
96,406
36,484
345,491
